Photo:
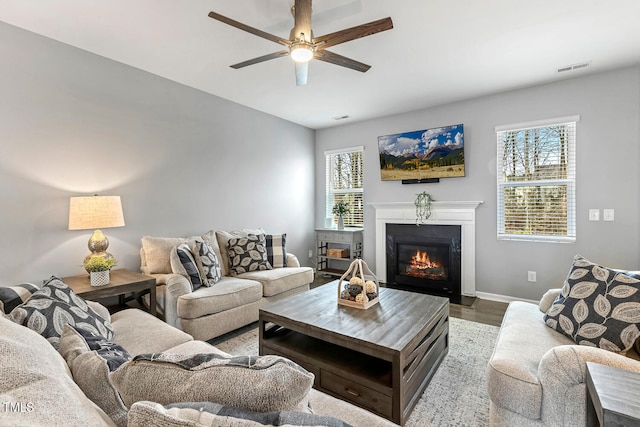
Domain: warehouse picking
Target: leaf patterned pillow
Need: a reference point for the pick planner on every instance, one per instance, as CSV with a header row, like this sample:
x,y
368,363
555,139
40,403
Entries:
x,y
598,307
248,254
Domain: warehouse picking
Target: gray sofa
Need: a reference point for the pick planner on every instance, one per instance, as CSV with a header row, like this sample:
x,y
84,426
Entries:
x,y
38,389
536,376
231,303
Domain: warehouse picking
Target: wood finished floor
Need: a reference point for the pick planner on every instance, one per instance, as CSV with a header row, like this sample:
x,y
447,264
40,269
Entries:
x,y
481,311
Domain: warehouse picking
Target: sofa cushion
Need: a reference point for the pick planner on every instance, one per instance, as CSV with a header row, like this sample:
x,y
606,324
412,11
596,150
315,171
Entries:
x,y
276,249
13,296
223,238
144,414
228,293
90,359
140,332
35,378
598,307
257,383
280,280
157,253
183,262
247,254
53,306
207,262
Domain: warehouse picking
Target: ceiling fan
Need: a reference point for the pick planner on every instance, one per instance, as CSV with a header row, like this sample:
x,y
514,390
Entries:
x,y
302,46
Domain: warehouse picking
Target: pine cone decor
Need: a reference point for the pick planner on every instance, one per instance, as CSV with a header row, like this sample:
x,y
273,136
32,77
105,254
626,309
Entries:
x,y
345,294
358,286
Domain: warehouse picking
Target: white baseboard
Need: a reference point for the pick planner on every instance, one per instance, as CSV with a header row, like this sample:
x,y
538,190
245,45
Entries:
x,y
502,298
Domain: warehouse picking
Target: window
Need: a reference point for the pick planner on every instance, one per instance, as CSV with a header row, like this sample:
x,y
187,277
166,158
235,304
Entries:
x,y
345,181
536,181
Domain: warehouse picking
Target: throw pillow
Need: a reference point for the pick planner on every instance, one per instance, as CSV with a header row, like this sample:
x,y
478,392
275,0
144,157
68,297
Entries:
x,y
257,383
598,307
247,254
13,296
184,264
143,414
207,262
222,237
90,359
53,306
156,253
276,250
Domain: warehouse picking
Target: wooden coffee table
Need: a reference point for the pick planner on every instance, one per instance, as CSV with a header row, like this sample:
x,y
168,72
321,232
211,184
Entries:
x,y
381,358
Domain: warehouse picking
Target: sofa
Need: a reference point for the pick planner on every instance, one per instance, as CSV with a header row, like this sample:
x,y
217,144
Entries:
x,y
234,299
536,375
42,386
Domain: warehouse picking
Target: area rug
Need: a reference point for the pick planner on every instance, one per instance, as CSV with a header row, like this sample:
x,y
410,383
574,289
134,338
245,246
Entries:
x,y
457,393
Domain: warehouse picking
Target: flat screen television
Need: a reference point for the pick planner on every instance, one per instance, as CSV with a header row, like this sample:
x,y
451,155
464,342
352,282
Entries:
x,y
422,155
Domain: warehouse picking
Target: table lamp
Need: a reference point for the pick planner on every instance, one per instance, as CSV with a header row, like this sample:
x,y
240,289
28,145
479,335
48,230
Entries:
x,y
96,212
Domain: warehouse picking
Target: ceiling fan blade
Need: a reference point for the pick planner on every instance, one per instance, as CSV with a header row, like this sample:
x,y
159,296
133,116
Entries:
x,y
343,61
260,59
249,29
353,33
302,19
302,70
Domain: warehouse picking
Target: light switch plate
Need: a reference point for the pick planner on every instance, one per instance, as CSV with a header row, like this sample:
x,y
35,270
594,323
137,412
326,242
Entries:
x,y
594,214
608,214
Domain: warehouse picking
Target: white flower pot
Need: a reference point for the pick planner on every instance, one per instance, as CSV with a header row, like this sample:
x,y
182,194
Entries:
x,y
99,278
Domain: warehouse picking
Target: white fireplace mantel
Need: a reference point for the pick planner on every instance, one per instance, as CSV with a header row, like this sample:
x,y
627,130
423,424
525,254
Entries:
x,y
442,213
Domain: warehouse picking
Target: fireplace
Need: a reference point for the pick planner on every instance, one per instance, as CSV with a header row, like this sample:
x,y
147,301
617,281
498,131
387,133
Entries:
x,y
425,258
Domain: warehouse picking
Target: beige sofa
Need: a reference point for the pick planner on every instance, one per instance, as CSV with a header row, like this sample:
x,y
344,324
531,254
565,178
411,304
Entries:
x,y
536,376
231,303
37,387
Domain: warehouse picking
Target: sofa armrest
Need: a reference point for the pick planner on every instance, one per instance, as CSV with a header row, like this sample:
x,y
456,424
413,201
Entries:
x,y
562,373
100,309
548,298
175,285
292,260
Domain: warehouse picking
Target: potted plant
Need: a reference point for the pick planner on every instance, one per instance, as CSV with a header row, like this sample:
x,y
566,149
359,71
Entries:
x,y
98,268
341,209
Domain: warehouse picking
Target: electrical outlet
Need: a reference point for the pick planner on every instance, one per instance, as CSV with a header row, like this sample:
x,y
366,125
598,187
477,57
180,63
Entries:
x,y
310,253
531,276
594,214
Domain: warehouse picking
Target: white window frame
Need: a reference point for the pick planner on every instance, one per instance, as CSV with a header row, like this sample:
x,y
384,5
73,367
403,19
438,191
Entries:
x,y
330,188
569,182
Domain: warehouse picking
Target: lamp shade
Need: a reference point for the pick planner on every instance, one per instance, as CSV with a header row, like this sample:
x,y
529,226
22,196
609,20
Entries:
x,y
93,212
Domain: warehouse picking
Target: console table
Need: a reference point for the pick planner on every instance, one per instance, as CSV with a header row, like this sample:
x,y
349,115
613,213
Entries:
x,y
347,240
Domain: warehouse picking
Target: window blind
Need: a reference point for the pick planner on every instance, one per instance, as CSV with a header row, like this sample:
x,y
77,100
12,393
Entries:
x,y
536,180
345,182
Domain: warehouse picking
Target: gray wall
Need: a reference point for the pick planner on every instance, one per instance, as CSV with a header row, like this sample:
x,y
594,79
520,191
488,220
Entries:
x,y
607,175
73,123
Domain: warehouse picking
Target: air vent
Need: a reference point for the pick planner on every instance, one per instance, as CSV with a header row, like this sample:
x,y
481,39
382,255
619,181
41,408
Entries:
x,y
340,117
574,67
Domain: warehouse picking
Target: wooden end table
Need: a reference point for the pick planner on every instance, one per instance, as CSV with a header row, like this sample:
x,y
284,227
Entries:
x,y
122,281
613,396
380,359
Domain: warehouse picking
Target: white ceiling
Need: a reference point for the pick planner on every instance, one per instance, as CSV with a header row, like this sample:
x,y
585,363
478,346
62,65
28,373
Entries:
x,y
439,51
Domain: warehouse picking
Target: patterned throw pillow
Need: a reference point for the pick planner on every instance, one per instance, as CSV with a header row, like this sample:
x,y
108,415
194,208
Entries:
x,y
143,414
13,296
598,307
248,254
53,306
183,262
257,383
90,359
207,262
276,250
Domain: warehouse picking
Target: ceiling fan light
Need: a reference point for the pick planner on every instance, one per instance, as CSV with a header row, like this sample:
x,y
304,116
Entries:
x,y
302,52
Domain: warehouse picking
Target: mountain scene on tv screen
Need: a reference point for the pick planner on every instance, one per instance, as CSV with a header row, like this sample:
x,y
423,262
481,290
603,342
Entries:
x,y
430,153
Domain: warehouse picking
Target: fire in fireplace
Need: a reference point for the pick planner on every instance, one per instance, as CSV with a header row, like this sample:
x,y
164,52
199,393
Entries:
x,y
425,259
422,266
